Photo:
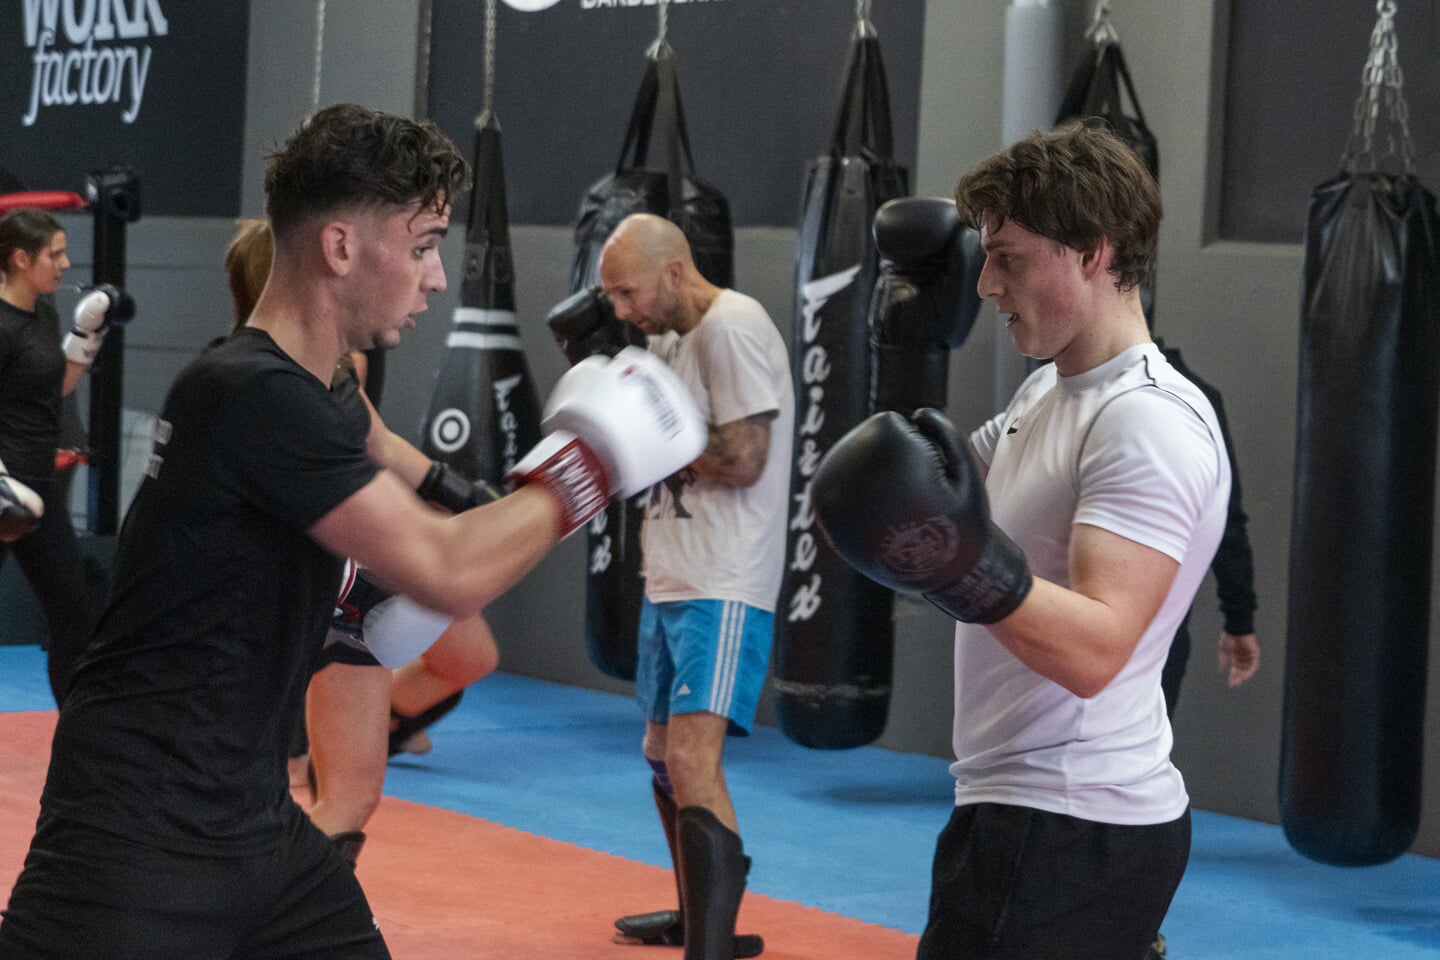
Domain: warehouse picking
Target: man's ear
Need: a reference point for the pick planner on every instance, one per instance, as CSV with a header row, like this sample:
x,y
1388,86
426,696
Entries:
x,y
338,246
1098,258
675,270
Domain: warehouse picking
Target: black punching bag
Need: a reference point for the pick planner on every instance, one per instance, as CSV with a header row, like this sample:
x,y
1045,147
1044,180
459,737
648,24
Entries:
x,y
584,324
668,188
1359,610
484,412
1360,556
833,633
1098,92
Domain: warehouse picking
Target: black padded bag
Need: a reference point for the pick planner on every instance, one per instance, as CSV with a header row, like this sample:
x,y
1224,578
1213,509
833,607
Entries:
x,y
833,653
672,190
1360,556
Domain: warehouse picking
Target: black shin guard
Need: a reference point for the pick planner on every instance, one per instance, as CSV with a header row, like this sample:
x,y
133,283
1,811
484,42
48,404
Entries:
x,y
666,928
712,881
407,727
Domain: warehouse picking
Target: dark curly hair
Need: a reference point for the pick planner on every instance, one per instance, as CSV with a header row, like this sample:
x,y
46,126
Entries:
x,y
348,157
1076,184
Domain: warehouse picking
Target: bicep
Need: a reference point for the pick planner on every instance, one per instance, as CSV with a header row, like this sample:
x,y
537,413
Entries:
x,y
1129,578
385,527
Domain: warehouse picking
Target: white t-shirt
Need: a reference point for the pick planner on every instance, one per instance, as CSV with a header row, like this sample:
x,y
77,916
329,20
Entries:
x,y
702,540
1134,448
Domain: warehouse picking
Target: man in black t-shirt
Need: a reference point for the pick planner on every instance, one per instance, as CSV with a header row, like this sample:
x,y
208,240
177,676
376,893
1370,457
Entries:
x,y
167,829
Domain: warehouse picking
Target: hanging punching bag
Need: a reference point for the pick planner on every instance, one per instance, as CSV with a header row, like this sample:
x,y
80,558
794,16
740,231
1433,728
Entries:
x,y
926,300
1360,560
616,581
1097,93
584,324
484,411
833,632
670,190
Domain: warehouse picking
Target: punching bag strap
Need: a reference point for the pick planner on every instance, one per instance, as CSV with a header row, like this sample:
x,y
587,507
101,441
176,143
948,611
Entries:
x,y
863,126
1116,60
670,118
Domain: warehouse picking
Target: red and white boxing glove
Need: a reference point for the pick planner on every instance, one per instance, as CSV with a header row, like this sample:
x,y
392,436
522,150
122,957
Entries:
x,y
20,507
614,426
95,314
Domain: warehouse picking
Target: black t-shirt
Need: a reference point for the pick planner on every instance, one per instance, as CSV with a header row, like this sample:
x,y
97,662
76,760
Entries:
x,y
177,726
32,375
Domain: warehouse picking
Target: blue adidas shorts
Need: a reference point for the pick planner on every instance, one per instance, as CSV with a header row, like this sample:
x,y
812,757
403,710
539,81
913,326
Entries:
x,y
703,655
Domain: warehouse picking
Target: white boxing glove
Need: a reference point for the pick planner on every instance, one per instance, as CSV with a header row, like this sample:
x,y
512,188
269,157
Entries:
x,y
614,425
20,508
394,628
96,312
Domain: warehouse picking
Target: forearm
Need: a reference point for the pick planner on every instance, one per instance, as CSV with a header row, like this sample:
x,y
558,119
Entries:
x,y
74,373
1234,569
1070,639
399,455
452,564
392,451
736,452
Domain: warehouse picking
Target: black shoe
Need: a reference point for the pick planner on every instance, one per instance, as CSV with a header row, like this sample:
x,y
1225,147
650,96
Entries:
x,y
666,928
407,728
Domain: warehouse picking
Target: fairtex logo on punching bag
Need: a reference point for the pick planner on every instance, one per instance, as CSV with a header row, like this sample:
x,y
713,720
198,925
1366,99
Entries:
x,y
815,371
76,60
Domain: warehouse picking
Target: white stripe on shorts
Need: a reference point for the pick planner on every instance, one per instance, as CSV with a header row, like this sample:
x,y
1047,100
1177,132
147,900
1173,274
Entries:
x,y
727,660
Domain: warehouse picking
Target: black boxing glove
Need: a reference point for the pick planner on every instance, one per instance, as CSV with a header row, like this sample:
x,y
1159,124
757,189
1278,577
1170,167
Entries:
x,y
902,501
584,324
925,299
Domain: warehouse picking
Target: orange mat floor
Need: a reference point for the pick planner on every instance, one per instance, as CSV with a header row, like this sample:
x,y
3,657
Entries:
x,y
446,886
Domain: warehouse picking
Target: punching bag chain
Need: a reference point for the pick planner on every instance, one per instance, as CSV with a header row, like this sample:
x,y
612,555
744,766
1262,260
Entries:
x,y
489,56
1381,101
660,37
319,54
862,10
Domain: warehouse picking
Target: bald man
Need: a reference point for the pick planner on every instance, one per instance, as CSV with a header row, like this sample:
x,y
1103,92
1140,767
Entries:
x,y
714,541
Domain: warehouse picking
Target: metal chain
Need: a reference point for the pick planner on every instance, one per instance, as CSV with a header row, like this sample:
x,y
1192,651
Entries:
x,y
862,10
1102,27
660,37
1381,103
489,56
319,54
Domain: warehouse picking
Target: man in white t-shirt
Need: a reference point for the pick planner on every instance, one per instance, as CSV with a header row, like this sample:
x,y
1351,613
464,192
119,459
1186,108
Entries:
x,y
714,541
1068,537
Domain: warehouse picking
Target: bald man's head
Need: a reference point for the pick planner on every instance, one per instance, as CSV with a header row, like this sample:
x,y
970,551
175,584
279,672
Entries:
x,y
654,239
646,269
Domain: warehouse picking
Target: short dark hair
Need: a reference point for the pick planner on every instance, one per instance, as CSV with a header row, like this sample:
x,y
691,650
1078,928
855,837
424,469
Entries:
x,y
25,228
1075,185
347,157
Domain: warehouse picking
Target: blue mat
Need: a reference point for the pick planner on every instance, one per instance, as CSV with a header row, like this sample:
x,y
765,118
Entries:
x,y
852,831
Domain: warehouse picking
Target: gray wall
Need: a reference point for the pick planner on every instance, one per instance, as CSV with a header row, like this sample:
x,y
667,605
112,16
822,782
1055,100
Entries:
x,y
1232,307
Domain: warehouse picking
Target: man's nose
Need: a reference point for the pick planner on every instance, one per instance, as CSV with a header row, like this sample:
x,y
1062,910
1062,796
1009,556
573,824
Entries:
x,y
987,286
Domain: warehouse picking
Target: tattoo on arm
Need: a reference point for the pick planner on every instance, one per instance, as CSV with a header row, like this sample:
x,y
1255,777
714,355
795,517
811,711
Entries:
x,y
736,452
